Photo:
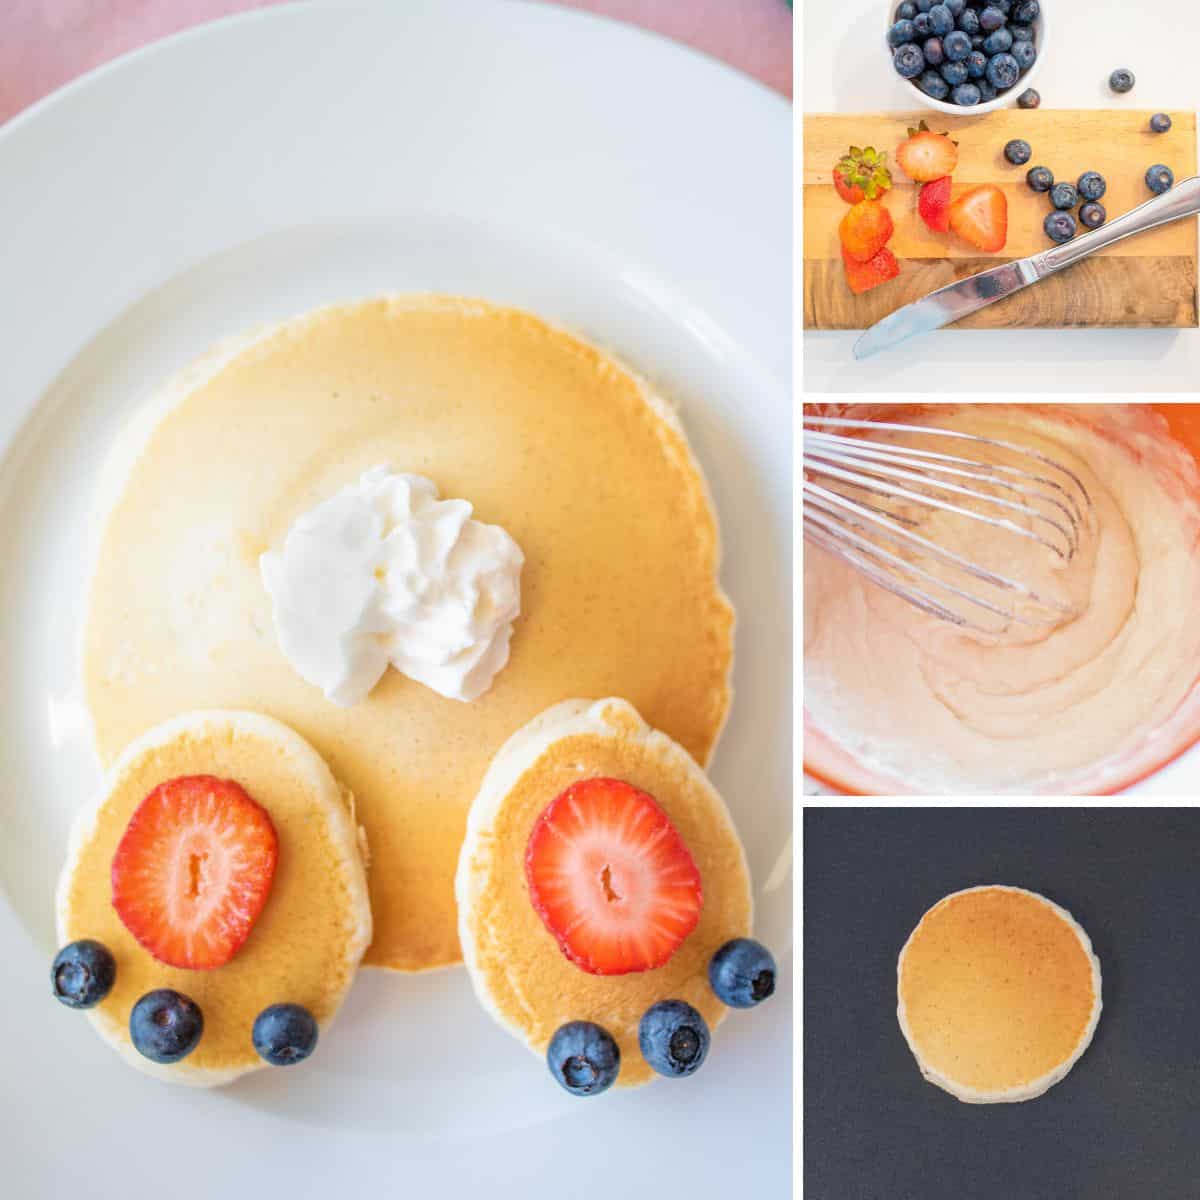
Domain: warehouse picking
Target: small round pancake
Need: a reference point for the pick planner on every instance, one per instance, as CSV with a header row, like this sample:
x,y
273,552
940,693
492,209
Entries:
x,y
573,455
998,994
307,943
518,971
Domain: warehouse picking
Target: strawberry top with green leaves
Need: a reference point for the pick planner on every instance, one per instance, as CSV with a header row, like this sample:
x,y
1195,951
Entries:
x,y
193,870
611,878
862,175
926,155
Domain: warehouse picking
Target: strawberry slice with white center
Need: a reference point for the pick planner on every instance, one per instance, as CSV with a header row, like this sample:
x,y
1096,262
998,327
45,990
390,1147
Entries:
x,y
193,870
611,878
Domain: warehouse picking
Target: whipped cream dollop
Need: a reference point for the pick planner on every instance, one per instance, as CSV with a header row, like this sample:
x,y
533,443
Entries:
x,y
385,572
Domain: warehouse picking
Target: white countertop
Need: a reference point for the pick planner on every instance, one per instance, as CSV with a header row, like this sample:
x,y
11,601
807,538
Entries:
x,y
843,71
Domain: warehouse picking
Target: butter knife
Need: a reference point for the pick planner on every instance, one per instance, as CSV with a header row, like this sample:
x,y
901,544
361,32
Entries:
x,y
958,300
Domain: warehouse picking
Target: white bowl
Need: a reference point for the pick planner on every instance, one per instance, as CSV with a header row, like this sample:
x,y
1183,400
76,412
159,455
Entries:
x,y
959,110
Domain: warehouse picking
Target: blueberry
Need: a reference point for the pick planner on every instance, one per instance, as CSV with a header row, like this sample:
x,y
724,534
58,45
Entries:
x,y
673,1038
1121,81
923,6
954,73
1160,179
991,18
906,11
942,19
82,974
1064,196
165,1026
1160,122
1091,185
1060,227
986,90
998,42
1002,71
968,21
742,973
934,55
922,25
284,1034
1018,152
909,61
1026,11
966,94
1093,215
1021,33
934,85
1025,53
1041,179
1029,98
976,64
583,1058
900,33
956,46
955,6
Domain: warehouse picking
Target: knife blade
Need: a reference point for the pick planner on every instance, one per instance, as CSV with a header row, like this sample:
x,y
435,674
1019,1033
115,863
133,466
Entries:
x,y
950,304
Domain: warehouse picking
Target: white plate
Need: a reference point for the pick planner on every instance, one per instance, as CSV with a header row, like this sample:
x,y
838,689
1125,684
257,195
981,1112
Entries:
x,y
249,170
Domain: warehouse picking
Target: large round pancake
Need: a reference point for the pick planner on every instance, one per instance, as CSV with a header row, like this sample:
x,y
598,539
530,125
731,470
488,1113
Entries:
x,y
519,973
311,935
545,435
998,994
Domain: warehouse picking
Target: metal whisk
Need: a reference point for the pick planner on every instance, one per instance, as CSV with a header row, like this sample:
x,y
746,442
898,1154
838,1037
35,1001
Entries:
x,y
864,499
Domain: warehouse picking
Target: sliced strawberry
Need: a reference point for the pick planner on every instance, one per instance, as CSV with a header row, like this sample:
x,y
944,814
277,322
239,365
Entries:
x,y
980,216
611,878
925,156
193,870
934,204
865,230
863,276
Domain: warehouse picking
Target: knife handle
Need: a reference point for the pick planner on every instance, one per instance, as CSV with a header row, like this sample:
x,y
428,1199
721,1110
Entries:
x,y
1183,200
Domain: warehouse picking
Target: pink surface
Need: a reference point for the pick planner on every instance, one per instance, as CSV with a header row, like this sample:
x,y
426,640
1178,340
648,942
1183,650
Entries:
x,y
46,43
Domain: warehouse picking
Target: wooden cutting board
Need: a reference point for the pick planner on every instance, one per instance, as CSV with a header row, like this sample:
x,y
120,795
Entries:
x,y
1147,280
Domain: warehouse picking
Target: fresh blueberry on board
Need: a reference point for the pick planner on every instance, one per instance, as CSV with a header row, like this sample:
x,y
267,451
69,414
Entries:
x,y
1029,98
1160,179
942,20
1122,80
1025,53
1093,215
165,1025
284,1034
954,73
922,25
83,974
584,1058
1060,227
1091,185
1160,123
967,95
900,33
934,54
673,1038
1002,71
991,18
998,42
1064,196
742,973
1041,179
906,11
934,85
909,61
1018,152
957,46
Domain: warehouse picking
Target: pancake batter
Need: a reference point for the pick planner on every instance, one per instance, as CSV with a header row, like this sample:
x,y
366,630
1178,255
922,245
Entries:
x,y
1020,708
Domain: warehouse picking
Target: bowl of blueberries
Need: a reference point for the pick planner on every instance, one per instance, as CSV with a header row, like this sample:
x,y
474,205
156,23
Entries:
x,y
966,56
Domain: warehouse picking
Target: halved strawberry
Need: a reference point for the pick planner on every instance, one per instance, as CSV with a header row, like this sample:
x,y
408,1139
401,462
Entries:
x,y
934,204
611,878
193,869
863,276
925,155
865,230
980,216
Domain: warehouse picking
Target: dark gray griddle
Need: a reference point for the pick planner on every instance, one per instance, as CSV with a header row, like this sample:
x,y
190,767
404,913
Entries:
x,y
1123,1125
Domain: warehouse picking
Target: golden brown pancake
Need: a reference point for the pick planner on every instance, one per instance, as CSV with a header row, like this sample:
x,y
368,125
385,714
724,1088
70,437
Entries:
x,y
519,973
305,946
546,436
998,994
